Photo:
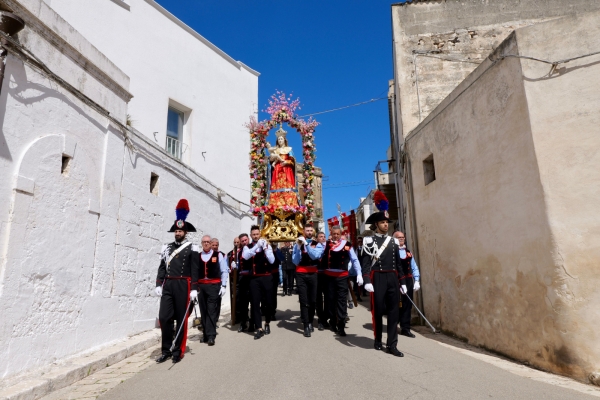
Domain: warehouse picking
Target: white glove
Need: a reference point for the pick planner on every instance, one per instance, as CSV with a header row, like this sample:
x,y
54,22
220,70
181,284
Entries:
x,y
193,294
417,286
403,289
222,291
261,243
359,280
158,291
233,265
369,288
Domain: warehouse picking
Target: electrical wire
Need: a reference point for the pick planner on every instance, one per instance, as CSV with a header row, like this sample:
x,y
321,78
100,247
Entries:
x,y
345,184
494,61
339,187
344,107
27,56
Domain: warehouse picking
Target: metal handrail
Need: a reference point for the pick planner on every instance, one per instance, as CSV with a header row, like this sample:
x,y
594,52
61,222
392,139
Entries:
x,y
174,147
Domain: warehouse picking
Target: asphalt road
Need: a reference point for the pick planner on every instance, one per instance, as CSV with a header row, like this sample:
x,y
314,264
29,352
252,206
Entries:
x,y
286,365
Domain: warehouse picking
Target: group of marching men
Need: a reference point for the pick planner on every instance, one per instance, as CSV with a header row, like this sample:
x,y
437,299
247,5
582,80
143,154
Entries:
x,y
188,274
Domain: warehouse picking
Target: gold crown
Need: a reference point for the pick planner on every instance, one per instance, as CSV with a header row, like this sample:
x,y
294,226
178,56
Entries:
x,y
280,132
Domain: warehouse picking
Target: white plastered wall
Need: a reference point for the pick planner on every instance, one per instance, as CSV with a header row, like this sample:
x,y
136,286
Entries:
x,y
79,250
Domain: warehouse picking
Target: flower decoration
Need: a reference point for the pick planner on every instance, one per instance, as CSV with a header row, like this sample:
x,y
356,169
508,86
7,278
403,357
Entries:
x,y
282,109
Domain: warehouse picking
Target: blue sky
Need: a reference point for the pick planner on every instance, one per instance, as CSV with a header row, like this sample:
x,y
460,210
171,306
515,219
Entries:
x,y
329,54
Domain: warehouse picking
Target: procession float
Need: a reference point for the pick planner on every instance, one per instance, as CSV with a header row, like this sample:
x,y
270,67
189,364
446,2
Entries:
x,y
280,205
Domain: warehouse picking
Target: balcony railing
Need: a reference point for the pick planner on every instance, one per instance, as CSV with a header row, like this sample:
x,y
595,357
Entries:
x,y
174,147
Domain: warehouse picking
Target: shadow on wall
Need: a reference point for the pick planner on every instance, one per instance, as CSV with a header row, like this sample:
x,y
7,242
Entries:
x,y
21,89
155,161
4,150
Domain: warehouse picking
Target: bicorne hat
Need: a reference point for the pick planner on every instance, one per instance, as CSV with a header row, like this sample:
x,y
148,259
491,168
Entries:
x,y
181,212
382,204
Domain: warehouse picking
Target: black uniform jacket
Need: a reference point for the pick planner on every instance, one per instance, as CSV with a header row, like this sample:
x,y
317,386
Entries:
x,y
388,262
286,263
184,265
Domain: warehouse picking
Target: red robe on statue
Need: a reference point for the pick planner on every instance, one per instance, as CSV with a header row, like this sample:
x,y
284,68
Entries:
x,y
283,177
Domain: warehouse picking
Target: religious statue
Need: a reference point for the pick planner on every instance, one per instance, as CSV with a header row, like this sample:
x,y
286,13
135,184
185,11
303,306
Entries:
x,y
283,172
282,207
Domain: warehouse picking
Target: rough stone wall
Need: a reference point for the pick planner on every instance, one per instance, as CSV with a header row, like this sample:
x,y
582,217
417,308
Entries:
x,y
508,230
564,110
79,245
437,44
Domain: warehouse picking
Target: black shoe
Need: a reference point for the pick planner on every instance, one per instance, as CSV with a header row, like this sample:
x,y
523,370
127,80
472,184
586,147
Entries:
x,y
395,352
320,327
267,329
258,334
211,341
306,331
163,358
407,333
243,327
378,345
289,292
310,326
334,328
359,299
341,331
350,306
326,325
176,359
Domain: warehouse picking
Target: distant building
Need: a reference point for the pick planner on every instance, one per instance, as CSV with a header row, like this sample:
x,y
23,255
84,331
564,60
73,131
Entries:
x,y
318,220
498,158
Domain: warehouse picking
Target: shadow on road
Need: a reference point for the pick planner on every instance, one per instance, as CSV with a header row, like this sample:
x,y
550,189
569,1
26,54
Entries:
x,y
355,341
289,320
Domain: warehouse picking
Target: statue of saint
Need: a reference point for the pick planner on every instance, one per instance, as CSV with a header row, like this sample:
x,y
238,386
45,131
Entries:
x,y
283,172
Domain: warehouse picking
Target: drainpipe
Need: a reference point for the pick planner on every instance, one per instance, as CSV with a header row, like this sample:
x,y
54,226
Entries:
x,y
10,24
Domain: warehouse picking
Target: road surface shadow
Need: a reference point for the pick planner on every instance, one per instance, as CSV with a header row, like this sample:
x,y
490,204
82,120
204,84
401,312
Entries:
x,y
352,340
290,320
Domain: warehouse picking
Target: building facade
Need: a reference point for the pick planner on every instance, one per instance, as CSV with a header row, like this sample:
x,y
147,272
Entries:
x,y
500,173
85,200
189,97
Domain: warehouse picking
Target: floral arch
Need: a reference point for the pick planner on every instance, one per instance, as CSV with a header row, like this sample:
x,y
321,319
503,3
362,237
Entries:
x,y
282,109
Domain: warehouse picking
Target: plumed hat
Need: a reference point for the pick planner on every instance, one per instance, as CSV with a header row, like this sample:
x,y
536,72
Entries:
x,y
181,212
382,204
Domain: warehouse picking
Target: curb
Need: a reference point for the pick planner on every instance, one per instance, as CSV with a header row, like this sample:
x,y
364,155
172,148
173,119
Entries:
x,y
55,377
75,369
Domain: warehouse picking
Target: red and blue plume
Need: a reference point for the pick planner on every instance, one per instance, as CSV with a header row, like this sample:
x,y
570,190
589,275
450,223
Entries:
x,y
182,210
381,202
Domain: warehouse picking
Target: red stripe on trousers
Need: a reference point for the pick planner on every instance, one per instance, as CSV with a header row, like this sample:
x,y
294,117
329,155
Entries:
x,y
185,322
371,276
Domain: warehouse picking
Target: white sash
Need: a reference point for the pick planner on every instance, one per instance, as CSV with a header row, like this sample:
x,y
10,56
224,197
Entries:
x,y
380,251
172,256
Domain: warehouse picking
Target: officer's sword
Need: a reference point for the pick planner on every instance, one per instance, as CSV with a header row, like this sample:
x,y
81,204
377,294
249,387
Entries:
x,y
187,309
429,323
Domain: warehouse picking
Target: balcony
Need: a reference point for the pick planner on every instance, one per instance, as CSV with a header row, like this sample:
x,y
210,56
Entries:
x,y
174,147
